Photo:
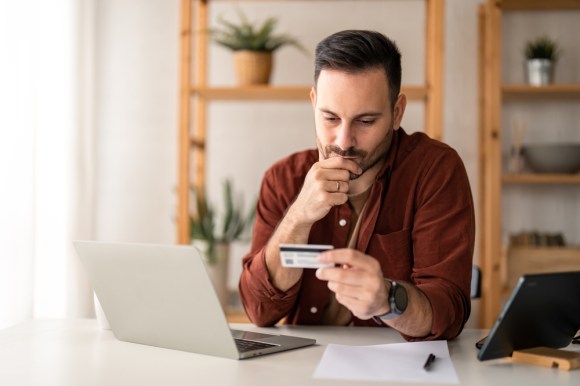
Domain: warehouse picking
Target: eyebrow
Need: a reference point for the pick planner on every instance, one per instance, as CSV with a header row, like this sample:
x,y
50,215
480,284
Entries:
x,y
366,114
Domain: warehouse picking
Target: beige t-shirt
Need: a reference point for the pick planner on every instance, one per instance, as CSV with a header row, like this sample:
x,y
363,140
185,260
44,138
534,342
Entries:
x,y
335,314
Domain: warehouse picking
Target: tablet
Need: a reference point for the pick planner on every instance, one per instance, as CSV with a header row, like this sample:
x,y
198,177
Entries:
x,y
542,311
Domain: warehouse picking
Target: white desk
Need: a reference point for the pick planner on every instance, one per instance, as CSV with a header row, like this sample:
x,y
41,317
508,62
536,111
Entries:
x,y
77,352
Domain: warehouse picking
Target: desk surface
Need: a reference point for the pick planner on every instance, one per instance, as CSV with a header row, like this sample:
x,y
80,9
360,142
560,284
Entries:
x,y
78,352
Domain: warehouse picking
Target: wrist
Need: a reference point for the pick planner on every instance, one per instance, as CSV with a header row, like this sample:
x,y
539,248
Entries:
x,y
296,221
386,307
397,300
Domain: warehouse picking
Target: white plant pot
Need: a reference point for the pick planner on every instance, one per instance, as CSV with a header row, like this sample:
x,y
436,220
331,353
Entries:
x,y
217,271
101,317
539,72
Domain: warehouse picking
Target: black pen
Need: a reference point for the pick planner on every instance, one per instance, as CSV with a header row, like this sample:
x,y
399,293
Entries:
x,y
429,362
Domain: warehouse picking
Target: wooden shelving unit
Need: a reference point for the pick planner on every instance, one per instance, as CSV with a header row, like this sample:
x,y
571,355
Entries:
x,y
541,179
492,179
524,91
285,93
254,93
195,94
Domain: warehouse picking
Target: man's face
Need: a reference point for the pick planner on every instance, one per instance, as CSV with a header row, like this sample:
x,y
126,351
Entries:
x,y
353,116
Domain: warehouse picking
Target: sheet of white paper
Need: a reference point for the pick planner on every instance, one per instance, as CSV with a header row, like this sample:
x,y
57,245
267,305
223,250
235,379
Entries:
x,y
401,362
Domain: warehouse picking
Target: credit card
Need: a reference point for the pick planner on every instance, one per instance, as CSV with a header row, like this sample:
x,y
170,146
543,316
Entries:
x,y
303,255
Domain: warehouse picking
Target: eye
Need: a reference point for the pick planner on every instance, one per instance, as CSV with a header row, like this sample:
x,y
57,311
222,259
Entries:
x,y
367,122
330,118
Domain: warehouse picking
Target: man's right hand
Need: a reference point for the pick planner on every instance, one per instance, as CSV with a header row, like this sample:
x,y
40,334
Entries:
x,y
326,185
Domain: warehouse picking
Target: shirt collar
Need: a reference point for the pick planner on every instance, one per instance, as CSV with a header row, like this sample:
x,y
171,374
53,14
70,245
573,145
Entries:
x,y
391,154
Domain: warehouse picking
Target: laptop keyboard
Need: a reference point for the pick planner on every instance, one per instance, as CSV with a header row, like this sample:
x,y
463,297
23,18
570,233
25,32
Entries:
x,y
250,345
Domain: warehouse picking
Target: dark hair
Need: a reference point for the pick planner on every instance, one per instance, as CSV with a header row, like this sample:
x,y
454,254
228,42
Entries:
x,y
360,50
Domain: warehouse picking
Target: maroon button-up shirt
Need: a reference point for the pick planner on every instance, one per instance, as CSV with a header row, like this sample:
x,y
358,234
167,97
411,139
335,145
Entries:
x,y
419,224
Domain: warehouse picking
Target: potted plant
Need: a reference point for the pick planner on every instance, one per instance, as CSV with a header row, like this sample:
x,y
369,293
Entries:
x,y
541,56
253,46
215,245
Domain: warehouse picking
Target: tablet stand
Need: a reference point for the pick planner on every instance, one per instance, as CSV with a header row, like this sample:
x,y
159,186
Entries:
x,y
548,357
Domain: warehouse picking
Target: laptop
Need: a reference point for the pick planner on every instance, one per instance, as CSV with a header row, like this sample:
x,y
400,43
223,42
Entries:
x,y
161,295
542,311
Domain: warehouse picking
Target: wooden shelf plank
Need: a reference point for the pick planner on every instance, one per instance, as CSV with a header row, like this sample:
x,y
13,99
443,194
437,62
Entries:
x,y
524,91
273,1
281,93
539,5
564,250
253,93
567,179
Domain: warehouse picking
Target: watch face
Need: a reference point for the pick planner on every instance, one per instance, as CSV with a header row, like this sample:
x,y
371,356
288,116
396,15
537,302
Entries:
x,y
400,296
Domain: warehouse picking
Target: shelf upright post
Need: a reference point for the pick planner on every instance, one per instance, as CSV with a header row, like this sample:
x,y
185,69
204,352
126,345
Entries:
x,y
434,42
493,169
199,101
184,124
482,81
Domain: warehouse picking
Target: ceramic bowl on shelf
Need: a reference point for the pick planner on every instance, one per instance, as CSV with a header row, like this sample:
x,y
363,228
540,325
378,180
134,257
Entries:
x,y
553,157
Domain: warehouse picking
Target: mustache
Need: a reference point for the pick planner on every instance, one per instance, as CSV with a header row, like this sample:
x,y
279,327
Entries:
x,y
350,152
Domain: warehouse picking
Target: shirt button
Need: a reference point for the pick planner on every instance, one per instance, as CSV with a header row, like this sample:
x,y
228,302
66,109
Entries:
x,y
342,222
313,310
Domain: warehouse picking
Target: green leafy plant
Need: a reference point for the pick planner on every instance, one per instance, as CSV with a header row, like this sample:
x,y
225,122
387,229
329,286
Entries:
x,y
235,222
542,47
250,36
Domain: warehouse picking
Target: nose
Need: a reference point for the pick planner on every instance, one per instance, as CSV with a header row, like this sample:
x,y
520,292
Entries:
x,y
345,136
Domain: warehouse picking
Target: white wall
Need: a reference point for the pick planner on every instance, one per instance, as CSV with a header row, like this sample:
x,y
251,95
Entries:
x,y
136,119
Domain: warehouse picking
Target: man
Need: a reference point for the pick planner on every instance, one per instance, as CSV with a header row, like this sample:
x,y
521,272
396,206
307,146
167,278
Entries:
x,y
397,208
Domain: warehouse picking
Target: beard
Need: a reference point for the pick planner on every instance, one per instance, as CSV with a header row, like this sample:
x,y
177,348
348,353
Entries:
x,y
369,159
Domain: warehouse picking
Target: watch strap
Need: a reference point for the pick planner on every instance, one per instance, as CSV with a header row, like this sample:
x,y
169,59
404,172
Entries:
x,y
391,314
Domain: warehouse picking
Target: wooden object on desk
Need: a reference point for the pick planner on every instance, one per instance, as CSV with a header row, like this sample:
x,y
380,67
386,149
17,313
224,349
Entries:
x,y
548,357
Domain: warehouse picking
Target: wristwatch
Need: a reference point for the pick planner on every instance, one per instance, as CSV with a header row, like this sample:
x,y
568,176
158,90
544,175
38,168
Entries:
x,y
398,301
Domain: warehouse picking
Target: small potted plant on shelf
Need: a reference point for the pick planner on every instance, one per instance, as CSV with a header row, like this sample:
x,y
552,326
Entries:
x,y
253,46
541,56
214,245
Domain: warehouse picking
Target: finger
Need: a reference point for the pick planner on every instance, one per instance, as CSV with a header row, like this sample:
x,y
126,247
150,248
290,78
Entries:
x,y
331,180
369,293
351,257
358,308
351,276
341,163
336,186
333,175
347,290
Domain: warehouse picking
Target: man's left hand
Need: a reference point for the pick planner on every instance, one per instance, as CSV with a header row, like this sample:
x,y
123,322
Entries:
x,y
358,283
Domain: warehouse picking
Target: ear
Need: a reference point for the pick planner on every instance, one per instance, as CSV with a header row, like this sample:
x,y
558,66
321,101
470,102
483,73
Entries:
x,y
399,111
313,96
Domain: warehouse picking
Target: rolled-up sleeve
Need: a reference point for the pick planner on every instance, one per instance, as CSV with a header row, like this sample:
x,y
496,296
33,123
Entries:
x,y
443,243
265,304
